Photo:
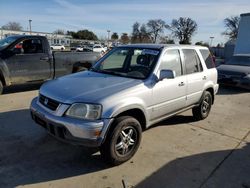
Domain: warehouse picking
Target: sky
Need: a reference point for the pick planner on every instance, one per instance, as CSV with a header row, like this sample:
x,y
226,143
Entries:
x,y
119,16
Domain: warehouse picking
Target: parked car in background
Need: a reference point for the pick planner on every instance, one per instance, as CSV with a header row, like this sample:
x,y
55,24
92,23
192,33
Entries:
x,y
99,48
235,72
129,89
57,47
27,59
81,48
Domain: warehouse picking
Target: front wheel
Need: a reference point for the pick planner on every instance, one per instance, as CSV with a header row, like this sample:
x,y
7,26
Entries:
x,y
202,111
122,141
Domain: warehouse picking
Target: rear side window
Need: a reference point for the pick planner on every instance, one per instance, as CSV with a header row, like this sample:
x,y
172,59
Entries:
x,y
172,61
207,58
192,61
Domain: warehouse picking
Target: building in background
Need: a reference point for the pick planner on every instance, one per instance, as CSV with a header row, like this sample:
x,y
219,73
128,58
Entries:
x,y
52,37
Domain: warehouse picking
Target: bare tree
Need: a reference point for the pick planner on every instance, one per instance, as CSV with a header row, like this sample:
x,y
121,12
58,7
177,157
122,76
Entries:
x,y
183,29
166,40
140,34
13,26
135,38
232,26
144,34
59,32
155,28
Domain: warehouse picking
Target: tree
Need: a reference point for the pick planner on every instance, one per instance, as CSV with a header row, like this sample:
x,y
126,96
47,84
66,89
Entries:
x,y
183,29
155,28
114,36
166,40
140,34
83,34
13,26
232,26
124,38
135,33
144,34
59,32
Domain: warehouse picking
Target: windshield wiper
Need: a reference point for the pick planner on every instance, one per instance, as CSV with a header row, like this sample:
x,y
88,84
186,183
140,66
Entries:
x,y
108,72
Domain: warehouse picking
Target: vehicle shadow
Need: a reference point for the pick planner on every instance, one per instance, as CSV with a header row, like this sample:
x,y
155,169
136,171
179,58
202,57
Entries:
x,y
21,88
212,169
175,120
29,155
230,90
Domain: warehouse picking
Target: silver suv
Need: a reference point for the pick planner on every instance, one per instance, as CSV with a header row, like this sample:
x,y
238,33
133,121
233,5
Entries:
x,y
126,91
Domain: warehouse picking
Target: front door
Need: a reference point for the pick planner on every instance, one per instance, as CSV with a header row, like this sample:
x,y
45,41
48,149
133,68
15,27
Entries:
x,y
29,62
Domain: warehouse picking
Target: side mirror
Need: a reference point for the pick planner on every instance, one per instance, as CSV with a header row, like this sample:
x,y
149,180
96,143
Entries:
x,y
165,73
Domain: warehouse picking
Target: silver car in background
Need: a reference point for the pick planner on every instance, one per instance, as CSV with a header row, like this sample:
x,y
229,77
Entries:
x,y
129,89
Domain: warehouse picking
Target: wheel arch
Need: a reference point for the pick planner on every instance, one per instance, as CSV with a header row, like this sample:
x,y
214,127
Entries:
x,y
136,113
211,90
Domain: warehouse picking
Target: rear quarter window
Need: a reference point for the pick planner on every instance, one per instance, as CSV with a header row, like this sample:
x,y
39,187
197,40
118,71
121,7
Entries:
x,y
192,61
207,58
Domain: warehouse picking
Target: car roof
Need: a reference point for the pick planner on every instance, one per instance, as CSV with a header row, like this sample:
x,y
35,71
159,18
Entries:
x,y
161,46
27,36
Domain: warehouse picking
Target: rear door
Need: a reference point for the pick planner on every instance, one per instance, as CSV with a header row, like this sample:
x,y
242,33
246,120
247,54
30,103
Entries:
x,y
196,77
29,62
169,95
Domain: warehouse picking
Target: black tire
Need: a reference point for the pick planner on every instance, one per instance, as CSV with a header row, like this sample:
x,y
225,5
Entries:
x,y
202,111
62,49
1,87
122,140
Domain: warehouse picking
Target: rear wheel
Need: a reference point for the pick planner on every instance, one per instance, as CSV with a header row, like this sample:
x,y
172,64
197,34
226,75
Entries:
x,y
202,111
1,87
122,141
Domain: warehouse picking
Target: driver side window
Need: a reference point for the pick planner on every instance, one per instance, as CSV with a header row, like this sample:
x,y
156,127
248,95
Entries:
x,y
28,46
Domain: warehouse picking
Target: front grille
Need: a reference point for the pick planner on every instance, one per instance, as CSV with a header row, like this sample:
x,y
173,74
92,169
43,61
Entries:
x,y
49,103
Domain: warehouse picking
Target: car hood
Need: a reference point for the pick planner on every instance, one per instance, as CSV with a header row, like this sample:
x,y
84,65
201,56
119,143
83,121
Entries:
x,y
233,68
88,86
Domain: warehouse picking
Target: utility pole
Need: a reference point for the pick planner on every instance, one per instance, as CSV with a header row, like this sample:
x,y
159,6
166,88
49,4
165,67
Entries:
x,y
108,37
30,25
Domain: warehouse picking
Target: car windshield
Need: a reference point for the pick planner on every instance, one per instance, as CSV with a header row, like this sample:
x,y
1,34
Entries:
x,y
7,41
128,62
239,60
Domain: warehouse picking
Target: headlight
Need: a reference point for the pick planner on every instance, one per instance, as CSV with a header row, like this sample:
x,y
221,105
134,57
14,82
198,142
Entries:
x,y
84,111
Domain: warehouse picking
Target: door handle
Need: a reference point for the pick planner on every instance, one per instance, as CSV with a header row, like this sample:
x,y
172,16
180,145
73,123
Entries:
x,y
204,78
181,84
44,59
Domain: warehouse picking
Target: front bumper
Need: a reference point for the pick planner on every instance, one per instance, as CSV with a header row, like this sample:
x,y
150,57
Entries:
x,y
75,131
